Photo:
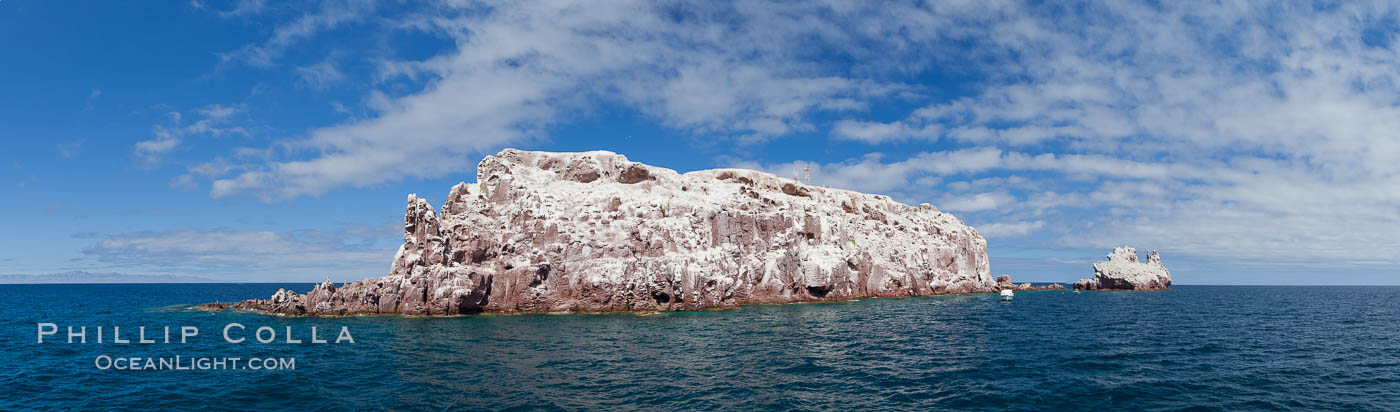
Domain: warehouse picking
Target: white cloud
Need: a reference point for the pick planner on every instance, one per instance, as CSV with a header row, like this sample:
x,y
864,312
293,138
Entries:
x,y
1008,229
878,132
217,112
246,255
339,107
1251,208
330,14
976,202
1230,130
169,136
243,8
151,152
518,68
1233,130
869,173
320,76
184,182
92,98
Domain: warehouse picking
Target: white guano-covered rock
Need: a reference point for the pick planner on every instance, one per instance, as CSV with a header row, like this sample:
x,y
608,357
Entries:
x,y
1123,271
594,231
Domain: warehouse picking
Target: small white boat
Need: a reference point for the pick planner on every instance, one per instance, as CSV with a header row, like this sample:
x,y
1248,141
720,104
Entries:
x,y
1006,295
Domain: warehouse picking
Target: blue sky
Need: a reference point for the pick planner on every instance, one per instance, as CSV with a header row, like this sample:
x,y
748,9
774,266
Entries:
x,y
1251,143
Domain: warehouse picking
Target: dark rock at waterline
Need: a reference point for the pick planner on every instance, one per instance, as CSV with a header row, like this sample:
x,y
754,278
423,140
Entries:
x,y
212,307
1004,282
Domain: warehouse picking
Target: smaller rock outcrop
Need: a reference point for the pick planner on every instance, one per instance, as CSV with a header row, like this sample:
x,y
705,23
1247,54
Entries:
x,y
1123,271
1004,282
212,307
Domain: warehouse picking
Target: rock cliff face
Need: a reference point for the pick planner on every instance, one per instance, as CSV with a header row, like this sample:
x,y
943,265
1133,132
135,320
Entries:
x,y
593,231
1122,271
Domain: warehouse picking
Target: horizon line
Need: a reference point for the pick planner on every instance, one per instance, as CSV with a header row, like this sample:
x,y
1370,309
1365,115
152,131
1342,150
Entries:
x,y
316,282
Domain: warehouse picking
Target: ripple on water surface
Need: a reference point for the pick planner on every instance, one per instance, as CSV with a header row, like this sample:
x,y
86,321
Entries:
x,y
1229,348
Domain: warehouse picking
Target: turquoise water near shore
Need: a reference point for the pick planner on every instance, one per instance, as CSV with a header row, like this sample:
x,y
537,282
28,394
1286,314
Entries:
x,y
1201,347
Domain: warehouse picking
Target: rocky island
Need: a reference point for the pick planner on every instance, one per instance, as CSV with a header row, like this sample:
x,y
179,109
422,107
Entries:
x,y
593,231
1122,271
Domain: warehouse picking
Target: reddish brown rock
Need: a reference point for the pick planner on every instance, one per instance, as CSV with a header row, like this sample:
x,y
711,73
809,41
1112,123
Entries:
x,y
212,307
593,231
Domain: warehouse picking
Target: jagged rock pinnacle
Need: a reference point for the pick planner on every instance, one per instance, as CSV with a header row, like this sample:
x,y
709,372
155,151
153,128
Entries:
x,y
1122,271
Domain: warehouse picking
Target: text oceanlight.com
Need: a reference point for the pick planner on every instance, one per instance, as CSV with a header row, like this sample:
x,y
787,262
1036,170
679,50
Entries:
x,y
177,362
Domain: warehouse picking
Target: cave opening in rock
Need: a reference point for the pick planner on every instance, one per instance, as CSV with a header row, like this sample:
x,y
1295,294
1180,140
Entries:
x,y
466,307
541,275
479,256
818,291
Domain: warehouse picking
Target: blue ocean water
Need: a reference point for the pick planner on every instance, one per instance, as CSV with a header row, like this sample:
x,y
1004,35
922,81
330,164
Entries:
x,y
1192,347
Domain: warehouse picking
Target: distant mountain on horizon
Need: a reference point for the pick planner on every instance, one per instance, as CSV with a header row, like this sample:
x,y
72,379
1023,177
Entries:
x,y
78,276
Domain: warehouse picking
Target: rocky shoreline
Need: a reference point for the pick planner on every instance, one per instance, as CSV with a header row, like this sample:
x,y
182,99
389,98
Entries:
x,y
1004,282
595,232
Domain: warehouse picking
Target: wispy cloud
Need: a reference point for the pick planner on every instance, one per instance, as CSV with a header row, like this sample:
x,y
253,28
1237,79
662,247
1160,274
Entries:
x,y
1247,132
242,8
213,121
320,76
1243,130
871,173
149,153
70,148
741,72
1008,229
305,255
1248,207
976,202
92,99
328,15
